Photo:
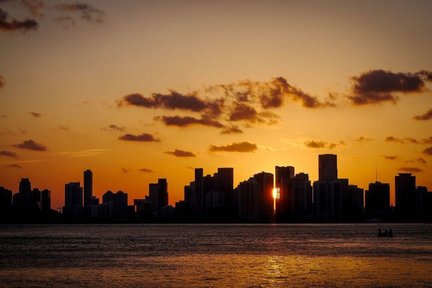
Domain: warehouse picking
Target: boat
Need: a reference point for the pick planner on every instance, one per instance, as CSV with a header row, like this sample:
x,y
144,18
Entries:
x,y
385,233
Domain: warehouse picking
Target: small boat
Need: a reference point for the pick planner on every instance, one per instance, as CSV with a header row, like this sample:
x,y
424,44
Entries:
x,y
385,233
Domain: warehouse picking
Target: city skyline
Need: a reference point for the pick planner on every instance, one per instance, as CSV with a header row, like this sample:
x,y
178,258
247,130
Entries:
x,y
115,88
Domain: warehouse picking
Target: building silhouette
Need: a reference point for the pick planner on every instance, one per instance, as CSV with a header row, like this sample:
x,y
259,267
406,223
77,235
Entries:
x,y
377,199
255,198
406,196
327,167
88,187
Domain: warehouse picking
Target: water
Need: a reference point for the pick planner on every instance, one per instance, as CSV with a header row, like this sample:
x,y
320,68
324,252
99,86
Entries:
x,y
215,256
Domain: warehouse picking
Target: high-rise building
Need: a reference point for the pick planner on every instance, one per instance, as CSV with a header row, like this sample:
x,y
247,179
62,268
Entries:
x,y
405,186
88,187
45,200
377,198
283,180
198,191
255,198
5,199
327,166
158,194
225,184
73,195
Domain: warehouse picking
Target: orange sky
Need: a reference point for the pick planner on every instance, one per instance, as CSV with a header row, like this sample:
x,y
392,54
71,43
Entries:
x,y
293,78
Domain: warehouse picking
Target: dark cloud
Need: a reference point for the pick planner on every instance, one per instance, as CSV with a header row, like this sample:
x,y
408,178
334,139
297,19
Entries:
x,y
124,170
145,170
231,130
363,139
86,11
114,127
6,153
420,160
35,114
428,151
35,7
390,157
173,101
410,169
64,128
427,140
145,137
181,153
65,21
16,166
411,140
321,144
378,86
425,116
2,82
188,121
235,147
394,139
31,145
9,24
242,111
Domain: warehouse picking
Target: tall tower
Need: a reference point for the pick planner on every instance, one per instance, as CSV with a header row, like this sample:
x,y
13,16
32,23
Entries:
x,y
88,187
405,192
327,166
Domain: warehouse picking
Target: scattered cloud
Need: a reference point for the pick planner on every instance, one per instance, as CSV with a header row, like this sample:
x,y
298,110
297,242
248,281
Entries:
x,y
84,153
10,154
231,130
408,140
64,128
145,137
411,169
65,21
2,82
31,145
235,147
379,86
390,157
9,24
394,139
114,127
35,7
181,153
145,170
364,139
16,166
428,151
188,121
426,116
321,144
85,11
124,170
35,114
420,160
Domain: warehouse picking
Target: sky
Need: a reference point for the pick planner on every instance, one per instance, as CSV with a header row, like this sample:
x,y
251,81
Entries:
x,y
141,90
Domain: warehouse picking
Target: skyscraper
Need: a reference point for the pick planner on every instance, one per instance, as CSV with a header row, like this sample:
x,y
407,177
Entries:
x,y
405,186
46,199
73,195
377,198
327,166
88,187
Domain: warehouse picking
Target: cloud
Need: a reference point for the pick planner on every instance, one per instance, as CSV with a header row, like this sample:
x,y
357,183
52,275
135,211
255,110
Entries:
x,y
145,137
242,111
394,139
390,157
173,101
16,166
31,145
321,144
83,153
64,128
420,160
426,116
6,153
411,169
86,11
145,170
428,151
9,24
2,82
231,130
235,147
379,86
35,114
124,170
65,21
114,127
364,139
181,153
188,121
34,6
